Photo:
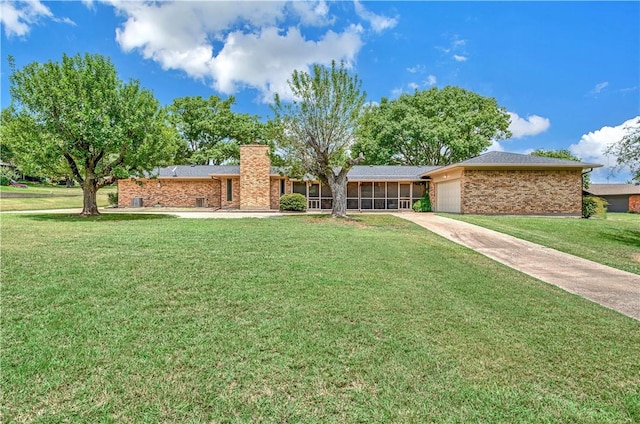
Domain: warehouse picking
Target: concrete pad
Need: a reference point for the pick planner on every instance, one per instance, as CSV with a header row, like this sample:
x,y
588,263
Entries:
x,y
610,287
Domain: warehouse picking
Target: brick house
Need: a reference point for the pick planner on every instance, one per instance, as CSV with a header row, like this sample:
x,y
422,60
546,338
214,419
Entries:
x,y
620,197
496,182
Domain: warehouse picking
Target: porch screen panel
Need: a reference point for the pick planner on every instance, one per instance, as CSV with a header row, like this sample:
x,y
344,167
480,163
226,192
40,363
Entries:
x,y
366,195
392,195
379,194
352,195
326,199
418,191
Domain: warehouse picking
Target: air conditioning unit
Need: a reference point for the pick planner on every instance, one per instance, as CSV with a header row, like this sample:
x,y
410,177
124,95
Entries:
x,y
201,202
136,202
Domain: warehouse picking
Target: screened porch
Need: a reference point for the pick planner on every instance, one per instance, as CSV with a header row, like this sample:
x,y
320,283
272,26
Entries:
x,y
364,195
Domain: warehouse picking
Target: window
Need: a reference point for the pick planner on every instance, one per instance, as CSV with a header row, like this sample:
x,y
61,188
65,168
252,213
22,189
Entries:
x,y
229,190
282,187
300,187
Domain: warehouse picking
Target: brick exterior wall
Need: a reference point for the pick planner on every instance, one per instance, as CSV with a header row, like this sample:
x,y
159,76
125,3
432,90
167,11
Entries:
x,y
255,168
534,192
275,193
178,193
235,193
634,203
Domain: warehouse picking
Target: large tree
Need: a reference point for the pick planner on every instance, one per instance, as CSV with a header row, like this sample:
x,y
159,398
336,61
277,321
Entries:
x,y
211,131
627,151
317,127
431,127
563,154
76,116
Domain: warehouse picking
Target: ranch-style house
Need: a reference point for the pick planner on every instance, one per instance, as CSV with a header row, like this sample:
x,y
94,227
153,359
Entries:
x,y
492,183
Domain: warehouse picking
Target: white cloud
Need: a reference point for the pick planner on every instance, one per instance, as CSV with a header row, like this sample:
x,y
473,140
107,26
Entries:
x,y
313,13
431,80
416,69
592,146
460,58
599,87
233,45
531,125
249,58
495,147
18,17
378,22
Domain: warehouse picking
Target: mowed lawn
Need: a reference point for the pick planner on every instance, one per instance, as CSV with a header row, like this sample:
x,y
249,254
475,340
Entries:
x,y
294,319
614,241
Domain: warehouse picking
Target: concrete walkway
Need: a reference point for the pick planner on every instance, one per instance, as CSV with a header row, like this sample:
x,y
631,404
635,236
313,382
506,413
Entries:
x,y
610,287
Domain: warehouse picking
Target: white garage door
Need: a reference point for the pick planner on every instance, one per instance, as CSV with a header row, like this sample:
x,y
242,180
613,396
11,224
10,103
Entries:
x,y
448,196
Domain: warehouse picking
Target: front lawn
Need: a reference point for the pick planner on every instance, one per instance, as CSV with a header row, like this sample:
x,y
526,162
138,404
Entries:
x,y
294,319
614,241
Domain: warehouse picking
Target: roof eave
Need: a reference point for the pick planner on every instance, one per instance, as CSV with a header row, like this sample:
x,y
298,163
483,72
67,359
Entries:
x,y
512,166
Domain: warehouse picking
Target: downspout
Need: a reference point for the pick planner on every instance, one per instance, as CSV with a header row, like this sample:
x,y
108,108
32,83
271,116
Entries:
x,y
583,189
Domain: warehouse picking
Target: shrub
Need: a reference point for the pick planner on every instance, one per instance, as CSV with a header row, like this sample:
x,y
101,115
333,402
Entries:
x,y
113,198
293,202
6,175
424,204
592,205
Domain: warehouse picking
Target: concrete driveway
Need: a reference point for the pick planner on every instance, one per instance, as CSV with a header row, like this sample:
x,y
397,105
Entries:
x,y
610,287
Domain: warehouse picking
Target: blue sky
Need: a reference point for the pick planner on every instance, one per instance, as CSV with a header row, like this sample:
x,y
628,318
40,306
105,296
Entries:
x,y
567,72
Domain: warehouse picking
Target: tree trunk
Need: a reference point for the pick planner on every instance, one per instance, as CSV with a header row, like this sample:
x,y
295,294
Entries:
x,y
338,185
90,190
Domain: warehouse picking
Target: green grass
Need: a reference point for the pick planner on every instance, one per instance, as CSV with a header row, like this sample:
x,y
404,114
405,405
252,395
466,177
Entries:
x,y
294,319
62,198
614,241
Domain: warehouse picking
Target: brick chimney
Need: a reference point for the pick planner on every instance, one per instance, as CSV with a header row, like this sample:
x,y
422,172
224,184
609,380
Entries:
x,y
255,168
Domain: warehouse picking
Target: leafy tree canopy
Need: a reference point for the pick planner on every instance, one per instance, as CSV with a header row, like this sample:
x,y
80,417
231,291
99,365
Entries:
x,y
431,127
211,131
627,151
316,130
562,154
77,117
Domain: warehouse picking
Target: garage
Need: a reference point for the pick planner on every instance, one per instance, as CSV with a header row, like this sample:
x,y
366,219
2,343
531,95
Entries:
x,y
448,196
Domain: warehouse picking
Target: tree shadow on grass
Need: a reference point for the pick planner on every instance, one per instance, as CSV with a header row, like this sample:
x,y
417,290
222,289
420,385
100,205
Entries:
x,y
631,238
110,217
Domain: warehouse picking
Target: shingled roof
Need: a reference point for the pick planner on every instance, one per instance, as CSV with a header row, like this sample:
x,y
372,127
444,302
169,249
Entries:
x,y
512,160
387,172
613,189
504,158
384,172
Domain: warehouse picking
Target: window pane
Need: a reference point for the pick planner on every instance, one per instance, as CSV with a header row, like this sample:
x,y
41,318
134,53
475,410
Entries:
x,y
379,190
379,204
366,204
392,203
352,189
326,191
352,203
326,203
392,189
314,190
405,190
300,187
366,190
